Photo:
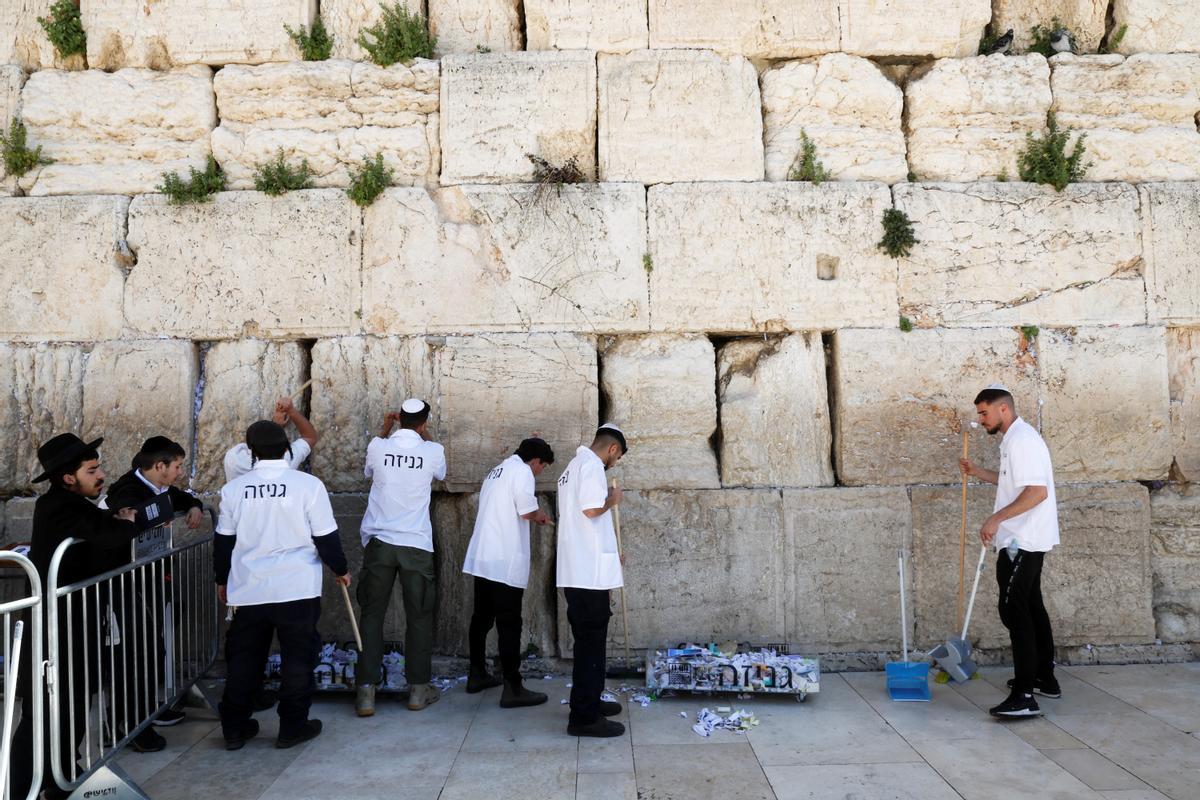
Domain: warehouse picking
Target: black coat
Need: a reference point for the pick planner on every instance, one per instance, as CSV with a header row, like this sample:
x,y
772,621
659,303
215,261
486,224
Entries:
x,y
59,515
130,490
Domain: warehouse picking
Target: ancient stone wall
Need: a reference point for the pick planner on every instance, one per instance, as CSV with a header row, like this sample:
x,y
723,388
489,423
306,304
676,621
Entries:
x,y
794,396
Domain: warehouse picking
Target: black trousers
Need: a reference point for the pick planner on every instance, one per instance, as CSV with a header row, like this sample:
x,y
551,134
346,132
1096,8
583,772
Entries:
x,y
588,612
1024,614
498,604
247,644
136,663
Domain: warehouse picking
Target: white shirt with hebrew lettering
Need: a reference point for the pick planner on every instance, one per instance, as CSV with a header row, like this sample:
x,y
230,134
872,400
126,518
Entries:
x,y
1025,461
274,511
499,548
239,460
402,469
587,546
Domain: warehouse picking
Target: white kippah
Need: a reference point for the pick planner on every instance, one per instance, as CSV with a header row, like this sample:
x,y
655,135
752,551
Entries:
x,y
612,427
1000,387
412,406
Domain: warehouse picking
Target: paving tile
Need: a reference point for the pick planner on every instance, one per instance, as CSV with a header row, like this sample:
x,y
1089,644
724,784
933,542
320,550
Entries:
x,y
679,772
606,755
1147,747
141,767
542,774
1134,794
840,738
1094,769
873,781
1078,697
660,724
1000,767
606,786
948,715
1169,692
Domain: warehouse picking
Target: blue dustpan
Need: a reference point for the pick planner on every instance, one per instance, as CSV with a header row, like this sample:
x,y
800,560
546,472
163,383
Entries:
x,y
907,681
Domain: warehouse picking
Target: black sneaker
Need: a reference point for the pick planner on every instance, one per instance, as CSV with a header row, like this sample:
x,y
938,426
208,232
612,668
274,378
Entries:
x,y
311,730
249,731
601,729
609,708
1017,705
169,717
148,741
1046,687
479,680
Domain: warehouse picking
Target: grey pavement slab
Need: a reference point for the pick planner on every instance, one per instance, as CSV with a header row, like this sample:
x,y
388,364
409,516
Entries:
x,y
875,781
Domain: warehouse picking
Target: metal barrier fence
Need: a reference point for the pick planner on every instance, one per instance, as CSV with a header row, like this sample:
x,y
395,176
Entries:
x,y
21,635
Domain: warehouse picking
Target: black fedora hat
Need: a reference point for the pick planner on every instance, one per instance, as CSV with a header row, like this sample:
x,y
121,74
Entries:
x,y
60,451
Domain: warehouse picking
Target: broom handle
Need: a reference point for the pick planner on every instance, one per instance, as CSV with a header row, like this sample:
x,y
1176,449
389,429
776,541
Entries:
x,y
296,394
353,621
903,618
974,588
962,532
620,551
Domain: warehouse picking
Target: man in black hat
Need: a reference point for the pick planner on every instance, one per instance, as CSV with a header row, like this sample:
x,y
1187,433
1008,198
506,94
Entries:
x,y
66,510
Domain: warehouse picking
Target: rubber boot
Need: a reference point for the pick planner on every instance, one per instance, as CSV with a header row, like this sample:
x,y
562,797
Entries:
x,y
515,695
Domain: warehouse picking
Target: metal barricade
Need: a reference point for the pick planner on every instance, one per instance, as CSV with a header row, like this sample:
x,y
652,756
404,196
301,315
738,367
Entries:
x,y
22,635
136,640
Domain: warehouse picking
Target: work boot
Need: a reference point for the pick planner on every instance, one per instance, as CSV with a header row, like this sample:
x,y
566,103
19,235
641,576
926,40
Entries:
x,y
478,680
249,731
311,730
602,728
515,695
421,695
364,700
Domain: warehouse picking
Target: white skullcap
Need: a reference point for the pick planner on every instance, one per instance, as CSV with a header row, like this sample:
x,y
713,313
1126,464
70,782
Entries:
x,y
412,406
611,427
999,387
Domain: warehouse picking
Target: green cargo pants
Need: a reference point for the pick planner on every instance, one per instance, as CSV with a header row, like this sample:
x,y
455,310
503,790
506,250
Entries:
x,y
382,564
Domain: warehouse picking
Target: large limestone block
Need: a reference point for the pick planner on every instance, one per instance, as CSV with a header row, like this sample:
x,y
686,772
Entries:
x,y
245,264
134,33
901,398
499,108
1022,254
1183,371
138,389
769,257
1107,409
242,381
775,427
12,78
356,381
1170,230
843,591
345,19
1175,562
41,394
755,29
23,42
332,114
659,389
951,28
516,258
1138,113
967,117
1096,584
1157,26
846,107
45,241
18,523
116,133
611,26
1083,18
676,115
464,26
496,389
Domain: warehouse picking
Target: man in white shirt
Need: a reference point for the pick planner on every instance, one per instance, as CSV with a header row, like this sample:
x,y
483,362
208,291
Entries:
x,y
589,566
498,557
275,529
1023,527
238,460
397,539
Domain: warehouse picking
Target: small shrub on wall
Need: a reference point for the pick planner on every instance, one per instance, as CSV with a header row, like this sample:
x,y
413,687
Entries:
x,y
315,44
64,29
367,183
198,187
399,36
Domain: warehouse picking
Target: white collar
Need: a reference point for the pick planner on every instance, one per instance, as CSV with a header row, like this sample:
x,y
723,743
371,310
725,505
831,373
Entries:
x,y
584,449
154,488
270,463
406,433
1018,422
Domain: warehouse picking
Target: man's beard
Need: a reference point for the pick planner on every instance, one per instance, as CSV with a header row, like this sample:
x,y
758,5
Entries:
x,y
993,430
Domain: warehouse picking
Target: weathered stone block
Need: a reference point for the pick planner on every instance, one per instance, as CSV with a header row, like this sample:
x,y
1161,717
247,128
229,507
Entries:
x,y
1106,414
116,133
1085,19
47,239
1175,562
12,78
1096,584
659,389
1019,253
345,19
843,591
356,381
332,114
1183,371
1157,26
846,107
499,108
757,29
41,395
675,115
245,264
901,398
135,390
610,26
1138,113
913,27
769,257
1170,230
22,40
967,117
462,26
133,33
537,382
775,428
18,523
242,381
495,258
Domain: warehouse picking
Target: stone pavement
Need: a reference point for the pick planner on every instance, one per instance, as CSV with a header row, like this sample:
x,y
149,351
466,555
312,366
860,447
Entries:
x,y
1119,732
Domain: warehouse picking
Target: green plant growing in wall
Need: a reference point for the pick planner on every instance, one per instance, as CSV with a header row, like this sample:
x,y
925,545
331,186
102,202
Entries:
x,y
906,325
898,238
1113,41
277,176
398,36
1045,159
198,187
315,44
18,158
482,49
1030,332
806,166
64,29
369,181
648,263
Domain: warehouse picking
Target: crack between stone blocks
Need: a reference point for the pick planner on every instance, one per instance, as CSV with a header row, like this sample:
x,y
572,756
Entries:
x,y
714,441
201,351
827,341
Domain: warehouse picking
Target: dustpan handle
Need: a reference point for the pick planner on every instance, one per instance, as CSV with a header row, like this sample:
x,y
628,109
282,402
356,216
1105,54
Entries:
x,y
974,588
903,617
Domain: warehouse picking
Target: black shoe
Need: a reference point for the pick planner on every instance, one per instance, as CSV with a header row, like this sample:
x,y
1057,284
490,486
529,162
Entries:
x,y
311,730
1046,687
265,699
169,717
1017,705
609,708
477,681
515,695
148,741
601,729
249,731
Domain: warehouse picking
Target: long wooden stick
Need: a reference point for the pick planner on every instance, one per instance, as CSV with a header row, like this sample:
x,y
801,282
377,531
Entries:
x,y
353,621
620,551
962,534
296,394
